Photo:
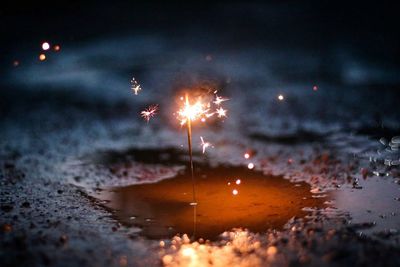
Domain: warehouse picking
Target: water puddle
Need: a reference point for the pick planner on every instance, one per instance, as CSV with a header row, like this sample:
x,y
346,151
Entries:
x,y
375,204
227,197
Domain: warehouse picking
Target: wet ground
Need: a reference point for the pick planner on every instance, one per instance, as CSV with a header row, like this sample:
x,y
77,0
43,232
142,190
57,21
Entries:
x,y
85,181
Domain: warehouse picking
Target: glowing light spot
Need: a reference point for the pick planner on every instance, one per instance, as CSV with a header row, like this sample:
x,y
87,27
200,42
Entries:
x,y
235,192
229,183
281,97
246,155
16,63
42,57
272,250
188,252
57,48
315,88
250,165
45,46
203,119
162,244
219,100
238,181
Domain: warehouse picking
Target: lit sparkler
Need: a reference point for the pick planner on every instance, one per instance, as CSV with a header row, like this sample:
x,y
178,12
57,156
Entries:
x,y
149,112
198,109
135,86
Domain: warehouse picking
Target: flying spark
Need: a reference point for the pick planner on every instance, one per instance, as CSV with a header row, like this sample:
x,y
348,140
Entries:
x,y
149,112
280,97
219,100
235,192
204,144
221,112
135,86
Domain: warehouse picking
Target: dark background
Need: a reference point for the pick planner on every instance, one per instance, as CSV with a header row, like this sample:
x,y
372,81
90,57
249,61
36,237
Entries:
x,y
314,25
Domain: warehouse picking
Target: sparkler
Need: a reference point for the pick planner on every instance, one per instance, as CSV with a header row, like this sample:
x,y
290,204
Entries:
x,y
202,110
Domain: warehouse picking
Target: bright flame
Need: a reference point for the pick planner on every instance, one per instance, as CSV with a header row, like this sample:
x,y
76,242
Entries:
x,y
192,112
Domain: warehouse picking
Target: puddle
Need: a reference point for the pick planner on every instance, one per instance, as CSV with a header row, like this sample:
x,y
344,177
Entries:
x,y
162,209
376,204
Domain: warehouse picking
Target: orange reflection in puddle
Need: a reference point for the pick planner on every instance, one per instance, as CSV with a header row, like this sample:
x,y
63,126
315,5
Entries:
x,y
163,209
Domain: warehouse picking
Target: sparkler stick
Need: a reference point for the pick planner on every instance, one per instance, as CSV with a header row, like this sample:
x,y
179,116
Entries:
x,y
189,135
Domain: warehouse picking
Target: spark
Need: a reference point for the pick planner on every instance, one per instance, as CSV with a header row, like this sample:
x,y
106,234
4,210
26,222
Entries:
x,y
235,192
45,46
281,97
204,144
219,100
246,155
57,48
42,57
250,166
149,112
135,86
221,112
238,181
315,88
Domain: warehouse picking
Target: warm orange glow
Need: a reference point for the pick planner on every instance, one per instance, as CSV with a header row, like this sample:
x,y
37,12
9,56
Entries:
x,y
191,112
56,48
235,192
188,252
250,165
238,181
42,57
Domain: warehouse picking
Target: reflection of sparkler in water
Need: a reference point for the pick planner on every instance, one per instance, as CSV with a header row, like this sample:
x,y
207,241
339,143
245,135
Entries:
x,y
135,86
149,112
